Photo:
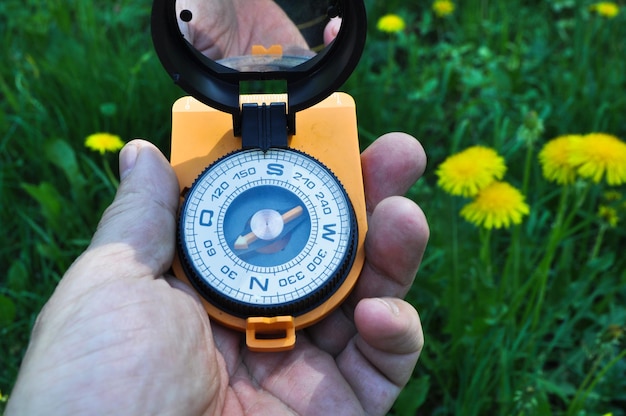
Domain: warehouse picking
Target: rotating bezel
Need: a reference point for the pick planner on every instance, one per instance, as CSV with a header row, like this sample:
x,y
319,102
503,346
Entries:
x,y
299,306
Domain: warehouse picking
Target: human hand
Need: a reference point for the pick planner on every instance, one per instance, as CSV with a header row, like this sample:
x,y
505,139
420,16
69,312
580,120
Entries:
x,y
119,336
224,28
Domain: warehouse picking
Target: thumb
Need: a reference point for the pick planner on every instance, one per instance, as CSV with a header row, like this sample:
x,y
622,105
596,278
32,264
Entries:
x,y
135,237
331,30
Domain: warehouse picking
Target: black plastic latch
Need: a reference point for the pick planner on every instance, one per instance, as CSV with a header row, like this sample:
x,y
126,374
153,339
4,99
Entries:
x,y
263,126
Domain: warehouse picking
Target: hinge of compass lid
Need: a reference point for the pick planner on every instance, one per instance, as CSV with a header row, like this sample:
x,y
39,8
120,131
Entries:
x,y
265,126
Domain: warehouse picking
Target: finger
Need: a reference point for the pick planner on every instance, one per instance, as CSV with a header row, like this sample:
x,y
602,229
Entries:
x,y
391,165
394,247
381,359
389,325
136,234
331,30
396,239
333,333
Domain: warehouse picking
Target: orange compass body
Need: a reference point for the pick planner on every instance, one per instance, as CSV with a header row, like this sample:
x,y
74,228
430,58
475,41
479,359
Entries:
x,y
272,217
327,132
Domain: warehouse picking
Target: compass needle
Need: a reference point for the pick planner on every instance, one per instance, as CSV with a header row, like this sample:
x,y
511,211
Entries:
x,y
292,214
243,241
266,226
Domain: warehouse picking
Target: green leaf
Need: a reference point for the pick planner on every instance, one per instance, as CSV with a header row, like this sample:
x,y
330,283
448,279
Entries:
x,y
412,396
49,251
603,263
61,154
562,389
48,198
17,276
108,109
7,311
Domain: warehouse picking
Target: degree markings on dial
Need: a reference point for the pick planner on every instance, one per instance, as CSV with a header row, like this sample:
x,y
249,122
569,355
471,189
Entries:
x,y
291,163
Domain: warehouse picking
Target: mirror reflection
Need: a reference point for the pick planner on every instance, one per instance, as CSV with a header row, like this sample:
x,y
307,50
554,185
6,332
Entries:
x,y
259,35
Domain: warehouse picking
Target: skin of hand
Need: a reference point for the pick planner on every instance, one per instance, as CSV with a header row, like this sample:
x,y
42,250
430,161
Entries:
x,y
332,30
224,28
120,336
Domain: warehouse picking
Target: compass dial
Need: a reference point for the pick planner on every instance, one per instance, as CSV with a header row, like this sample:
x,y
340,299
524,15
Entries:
x,y
267,233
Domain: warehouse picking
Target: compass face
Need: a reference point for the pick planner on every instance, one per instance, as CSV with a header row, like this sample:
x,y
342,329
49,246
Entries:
x,y
267,233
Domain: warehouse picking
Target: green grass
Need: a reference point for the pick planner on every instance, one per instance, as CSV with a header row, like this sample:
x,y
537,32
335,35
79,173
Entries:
x,y
522,321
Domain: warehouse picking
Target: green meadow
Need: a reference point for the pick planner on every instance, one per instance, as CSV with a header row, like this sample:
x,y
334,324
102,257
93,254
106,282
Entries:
x,y
525,319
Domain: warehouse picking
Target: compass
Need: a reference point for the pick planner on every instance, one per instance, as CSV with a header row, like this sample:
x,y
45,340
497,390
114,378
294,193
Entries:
x,y
267,233
272,219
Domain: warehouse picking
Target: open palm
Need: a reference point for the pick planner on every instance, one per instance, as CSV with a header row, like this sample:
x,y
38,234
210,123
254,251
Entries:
x,y
120,337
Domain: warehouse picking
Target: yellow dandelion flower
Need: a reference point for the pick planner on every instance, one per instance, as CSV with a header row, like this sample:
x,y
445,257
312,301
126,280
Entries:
x,y
443,8
601,155
605,9
104,142
467,172
391,23
499,205
609,215
555,161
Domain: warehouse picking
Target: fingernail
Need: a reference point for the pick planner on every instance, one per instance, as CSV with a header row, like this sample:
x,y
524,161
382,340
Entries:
x,y
393,308
128,158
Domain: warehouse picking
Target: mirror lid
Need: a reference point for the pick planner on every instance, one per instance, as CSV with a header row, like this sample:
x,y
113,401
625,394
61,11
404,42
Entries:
x,y
218,86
